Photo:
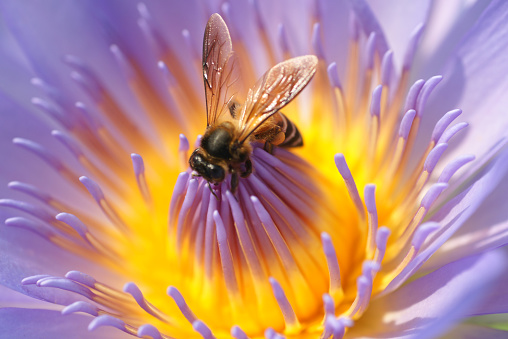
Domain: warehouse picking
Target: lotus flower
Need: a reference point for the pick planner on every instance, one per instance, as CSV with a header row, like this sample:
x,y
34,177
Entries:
x,y
387,223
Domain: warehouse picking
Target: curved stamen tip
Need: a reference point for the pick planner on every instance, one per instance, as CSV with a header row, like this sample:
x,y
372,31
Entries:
x,y
134,290
137,163
202,329
106,320
81,278
149,331
333,75
237,333
32,280
81,306
184,143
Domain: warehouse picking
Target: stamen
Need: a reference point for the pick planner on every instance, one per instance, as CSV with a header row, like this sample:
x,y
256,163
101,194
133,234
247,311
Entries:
x,y
387,69
81,306
134,290
238,333
282,38
341,114
316,41
31,191
271,334
149,331
107,320
139,172
449,133
28,208
344,171
381,241
443,124
202,329
226,260
335,288
412,46
292,323
182,305
453,167
183,149
53,111
370,203
65,284
363,287
96,192
31,225
180,186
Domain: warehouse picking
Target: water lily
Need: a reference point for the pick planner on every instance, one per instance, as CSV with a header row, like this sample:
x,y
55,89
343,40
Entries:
x,y
387,223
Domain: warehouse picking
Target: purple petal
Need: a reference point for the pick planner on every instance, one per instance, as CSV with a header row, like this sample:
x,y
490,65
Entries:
x,y
475,82
33,323
470,331
398,20
427,307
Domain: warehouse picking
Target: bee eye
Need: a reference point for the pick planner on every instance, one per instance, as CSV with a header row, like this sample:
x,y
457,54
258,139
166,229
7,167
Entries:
x,y
216,172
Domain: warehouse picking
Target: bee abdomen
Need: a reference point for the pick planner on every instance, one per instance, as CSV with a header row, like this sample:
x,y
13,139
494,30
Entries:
x,y
293,138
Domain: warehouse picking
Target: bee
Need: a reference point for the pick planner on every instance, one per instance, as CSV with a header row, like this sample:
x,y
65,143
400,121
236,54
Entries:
x,y
231,128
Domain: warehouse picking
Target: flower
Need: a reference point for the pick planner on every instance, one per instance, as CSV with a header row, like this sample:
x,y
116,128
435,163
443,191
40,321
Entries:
x,y
387,223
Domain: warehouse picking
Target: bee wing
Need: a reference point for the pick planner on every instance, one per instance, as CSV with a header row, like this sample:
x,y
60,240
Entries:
x,y
218,65
275,90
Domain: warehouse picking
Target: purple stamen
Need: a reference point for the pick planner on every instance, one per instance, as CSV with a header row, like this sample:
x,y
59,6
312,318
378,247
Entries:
x,y
96,192
41,152
335,327
30,225
187,203
26,207
370,203
370,50
386,68
329,305
344,171
333,75
68,142
32,280
421,234
168,75
181,304
433,157
271,334
449,133
180,185
287,310
432,194
67,285
81,306
238,333
30,190
89,84
375,103
150,331
202,329
134,290
122,61
226,258
363,286
381,241
244,239
406,124
81,278
139,172
425,93
107,320
413,94
282,39
411,47
354,27
53,111
332,262
453,167
85,234
316,41
274,234
443,124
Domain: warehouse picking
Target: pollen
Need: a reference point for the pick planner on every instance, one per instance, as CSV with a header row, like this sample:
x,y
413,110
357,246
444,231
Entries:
x,y
301,247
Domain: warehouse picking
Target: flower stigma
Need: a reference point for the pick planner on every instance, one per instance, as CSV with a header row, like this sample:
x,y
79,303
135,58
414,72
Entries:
x,y
306,241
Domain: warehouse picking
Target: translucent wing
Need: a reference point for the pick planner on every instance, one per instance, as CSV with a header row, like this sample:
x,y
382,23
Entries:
x,y
218,67
273,91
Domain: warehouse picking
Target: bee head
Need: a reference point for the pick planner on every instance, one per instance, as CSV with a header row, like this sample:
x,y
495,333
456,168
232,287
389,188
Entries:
x,y
209,171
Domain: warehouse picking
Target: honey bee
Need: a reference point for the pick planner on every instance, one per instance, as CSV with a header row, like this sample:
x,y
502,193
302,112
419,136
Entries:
x,y
226,144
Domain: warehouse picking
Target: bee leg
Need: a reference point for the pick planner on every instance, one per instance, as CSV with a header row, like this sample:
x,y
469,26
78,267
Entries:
x,y
248,169
212,190
268,147
234,182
